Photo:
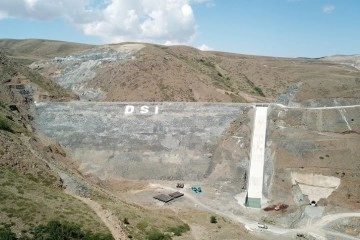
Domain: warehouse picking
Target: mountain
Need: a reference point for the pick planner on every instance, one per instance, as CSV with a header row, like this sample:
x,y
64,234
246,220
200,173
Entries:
x,y
32,191
179,73
351,60
312,132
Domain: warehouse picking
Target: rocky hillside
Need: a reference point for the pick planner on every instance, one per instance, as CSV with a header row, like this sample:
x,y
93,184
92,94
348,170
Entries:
x,y
352,60
147,72
31,192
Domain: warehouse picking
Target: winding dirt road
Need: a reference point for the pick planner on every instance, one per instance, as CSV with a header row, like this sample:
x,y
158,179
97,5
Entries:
x,y
109,219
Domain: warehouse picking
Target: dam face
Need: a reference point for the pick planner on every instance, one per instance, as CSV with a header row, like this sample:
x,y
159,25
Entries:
x,y
165,141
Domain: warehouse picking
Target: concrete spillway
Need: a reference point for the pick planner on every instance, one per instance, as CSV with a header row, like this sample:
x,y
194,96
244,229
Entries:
x,y
139,140
257,157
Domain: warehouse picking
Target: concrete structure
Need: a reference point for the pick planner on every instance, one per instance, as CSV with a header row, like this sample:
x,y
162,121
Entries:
x,y
164,198
164,141
256,175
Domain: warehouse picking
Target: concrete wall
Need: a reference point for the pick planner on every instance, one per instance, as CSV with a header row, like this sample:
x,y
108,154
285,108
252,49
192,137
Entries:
x,y
253,202
256,175
139,140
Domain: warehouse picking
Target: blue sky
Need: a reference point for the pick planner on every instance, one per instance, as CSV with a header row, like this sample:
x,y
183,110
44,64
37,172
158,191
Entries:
x,y
283,28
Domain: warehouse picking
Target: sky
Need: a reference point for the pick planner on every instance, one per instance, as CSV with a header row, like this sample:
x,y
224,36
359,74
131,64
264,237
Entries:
x,y
279,28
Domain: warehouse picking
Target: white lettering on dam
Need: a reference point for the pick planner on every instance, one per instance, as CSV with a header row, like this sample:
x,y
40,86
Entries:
x,y
131,109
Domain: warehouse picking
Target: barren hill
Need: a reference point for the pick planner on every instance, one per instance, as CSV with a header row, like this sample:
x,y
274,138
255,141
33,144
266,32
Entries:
x,y
33,49
147,72
352,60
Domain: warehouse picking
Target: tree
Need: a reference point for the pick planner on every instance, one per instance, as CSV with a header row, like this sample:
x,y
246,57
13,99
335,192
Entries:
x,y
213,219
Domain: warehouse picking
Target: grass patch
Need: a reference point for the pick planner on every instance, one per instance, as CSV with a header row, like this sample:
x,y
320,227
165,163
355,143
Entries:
x,y
55,229
179,230
259,91
11,126
29,203
207,62
142,225
157,235
5,125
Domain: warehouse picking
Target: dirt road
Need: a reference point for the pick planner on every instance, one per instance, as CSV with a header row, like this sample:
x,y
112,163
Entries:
x,y
315,229
109,219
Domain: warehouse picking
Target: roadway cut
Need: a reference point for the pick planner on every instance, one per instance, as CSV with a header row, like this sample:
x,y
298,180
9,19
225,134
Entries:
x,y
257,157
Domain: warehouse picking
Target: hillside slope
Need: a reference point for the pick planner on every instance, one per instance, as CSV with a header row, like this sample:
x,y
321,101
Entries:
x,y
29,50
35,171
147,72
31,193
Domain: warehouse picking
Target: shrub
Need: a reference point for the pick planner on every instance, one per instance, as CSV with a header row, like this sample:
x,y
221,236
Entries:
x,y
56,230
213,219
156,235
6,233
179,229
259,91
142,225
4,125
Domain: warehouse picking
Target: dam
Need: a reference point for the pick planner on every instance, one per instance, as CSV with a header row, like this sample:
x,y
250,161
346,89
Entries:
x,y
140,141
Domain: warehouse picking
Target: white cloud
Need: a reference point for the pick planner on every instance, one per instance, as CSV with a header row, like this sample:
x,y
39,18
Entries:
x,y
208,3
42,9
3,15
157,21
204,47
144,20
328,8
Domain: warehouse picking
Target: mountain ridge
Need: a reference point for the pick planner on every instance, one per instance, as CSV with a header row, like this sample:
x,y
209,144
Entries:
x,y
302,138
181,73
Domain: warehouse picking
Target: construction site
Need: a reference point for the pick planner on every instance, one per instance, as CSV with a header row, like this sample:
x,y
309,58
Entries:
x,y
220,156
234,152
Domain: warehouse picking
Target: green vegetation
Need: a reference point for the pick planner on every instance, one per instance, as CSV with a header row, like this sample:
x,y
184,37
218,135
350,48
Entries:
x,y
55,230
144,224
6,233
11,126
213,219
223,82
14,66
259,91
207,62
153,232
49,86
29,201
65,230
4,125
179,230
156,235
268,221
